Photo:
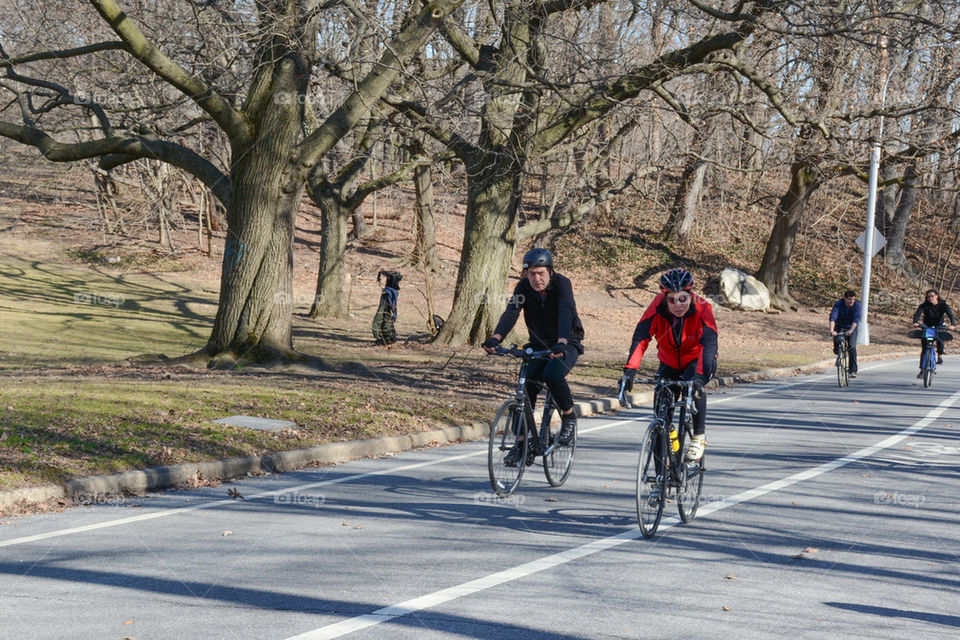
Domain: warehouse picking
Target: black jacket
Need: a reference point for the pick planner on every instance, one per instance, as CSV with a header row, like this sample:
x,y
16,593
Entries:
x,y
933,314
548,317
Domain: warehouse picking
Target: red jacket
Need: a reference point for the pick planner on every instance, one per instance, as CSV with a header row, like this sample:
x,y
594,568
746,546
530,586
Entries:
x,y
698,336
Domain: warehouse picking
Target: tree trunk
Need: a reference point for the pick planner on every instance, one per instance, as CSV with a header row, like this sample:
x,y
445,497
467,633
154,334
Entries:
x,y
254,319
425,243
488,245
329,301
894,251
775,268
360,230
685,202
887,201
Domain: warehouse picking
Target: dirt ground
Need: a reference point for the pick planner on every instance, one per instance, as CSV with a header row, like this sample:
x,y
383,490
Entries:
x,y
55,221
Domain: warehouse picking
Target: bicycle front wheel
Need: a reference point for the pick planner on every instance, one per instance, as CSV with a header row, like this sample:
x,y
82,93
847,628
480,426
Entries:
x,y
558,463
842,368
651,470
928,365
691,484
507,454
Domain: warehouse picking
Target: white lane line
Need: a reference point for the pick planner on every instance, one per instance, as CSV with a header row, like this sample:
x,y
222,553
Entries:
x,y
218,503
344,627
266,494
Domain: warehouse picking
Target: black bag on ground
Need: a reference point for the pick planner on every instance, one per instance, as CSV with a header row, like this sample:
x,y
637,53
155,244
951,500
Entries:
x,y
384,320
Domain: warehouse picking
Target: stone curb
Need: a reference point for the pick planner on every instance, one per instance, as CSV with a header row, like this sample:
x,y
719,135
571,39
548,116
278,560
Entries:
x,y
92,489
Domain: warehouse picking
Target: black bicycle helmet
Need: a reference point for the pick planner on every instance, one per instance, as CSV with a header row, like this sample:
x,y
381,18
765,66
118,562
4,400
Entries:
x,y
537,258
676,280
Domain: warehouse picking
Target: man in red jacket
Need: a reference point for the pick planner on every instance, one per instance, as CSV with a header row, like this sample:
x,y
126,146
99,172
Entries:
x,y
686,334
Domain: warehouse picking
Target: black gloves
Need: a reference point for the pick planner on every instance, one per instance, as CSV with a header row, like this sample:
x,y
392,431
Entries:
x,y
626,383
490,343
558,349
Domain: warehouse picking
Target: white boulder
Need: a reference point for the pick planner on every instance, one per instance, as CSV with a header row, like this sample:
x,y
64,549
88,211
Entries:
x,y
742,291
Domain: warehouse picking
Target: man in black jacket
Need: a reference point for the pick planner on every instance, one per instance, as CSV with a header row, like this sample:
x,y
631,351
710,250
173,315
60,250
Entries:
x,y
550,313
933,310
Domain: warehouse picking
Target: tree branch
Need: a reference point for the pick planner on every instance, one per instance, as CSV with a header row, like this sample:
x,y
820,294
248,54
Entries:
x,y
111,45
575,214
231,121
407,43
117,150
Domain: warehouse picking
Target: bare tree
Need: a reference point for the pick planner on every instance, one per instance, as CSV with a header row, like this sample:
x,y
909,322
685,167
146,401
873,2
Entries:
x,y
532,108
252,82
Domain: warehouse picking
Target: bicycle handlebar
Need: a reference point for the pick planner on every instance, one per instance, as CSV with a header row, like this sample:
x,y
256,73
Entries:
x,y
526,354
667,383
940,327
624,398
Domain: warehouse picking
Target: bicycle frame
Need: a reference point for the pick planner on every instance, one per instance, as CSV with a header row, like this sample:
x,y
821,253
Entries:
x,y
515,432
666,401
662,469
928,362
538,434
843,356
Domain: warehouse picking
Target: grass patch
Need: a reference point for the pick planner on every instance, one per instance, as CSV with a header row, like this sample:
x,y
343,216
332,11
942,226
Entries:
x,y
55,315
53,430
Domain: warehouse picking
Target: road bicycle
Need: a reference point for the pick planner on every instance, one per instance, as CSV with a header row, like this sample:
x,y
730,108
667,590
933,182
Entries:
x,y
663,470
514,433
843,356
928,361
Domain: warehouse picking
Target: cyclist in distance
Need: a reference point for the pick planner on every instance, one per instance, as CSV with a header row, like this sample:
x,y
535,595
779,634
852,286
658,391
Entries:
x,y
686,334
550,313
932,311
844,319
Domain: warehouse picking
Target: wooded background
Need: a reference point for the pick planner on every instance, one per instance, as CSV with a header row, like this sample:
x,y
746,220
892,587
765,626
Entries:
x,y
539,116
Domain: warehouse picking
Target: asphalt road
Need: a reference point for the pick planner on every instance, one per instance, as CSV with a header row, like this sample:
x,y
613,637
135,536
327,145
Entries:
x,y
828,513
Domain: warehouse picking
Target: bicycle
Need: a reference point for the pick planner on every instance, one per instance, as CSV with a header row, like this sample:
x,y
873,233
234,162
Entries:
x,y
928,361
663,468
843,355
515,427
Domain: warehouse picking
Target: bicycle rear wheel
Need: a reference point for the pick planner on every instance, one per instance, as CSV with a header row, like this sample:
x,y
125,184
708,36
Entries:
x,y
558,463
691,483
651,489
508,423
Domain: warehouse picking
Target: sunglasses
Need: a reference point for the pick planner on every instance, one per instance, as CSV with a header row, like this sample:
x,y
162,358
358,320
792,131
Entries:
x,y
678,300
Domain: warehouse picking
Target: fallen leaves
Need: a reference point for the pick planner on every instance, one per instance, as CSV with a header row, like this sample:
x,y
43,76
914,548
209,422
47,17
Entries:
x,y
234,493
